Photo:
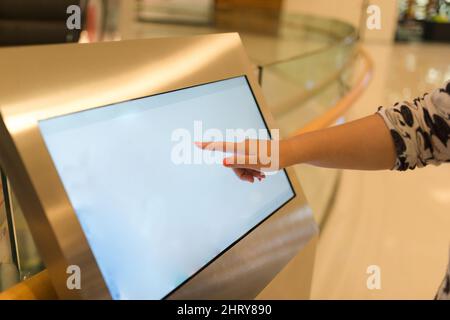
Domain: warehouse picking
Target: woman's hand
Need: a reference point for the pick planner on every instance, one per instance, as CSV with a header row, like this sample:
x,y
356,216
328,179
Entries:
x,y
364,144
250,158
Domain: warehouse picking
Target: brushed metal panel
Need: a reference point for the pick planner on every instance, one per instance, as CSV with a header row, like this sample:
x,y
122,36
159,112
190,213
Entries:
x,y
46,81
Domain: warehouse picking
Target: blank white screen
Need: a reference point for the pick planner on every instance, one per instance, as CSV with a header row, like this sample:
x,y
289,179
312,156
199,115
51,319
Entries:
x,y
151,224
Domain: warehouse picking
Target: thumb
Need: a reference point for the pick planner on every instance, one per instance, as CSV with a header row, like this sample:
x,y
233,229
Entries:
x,y
242,161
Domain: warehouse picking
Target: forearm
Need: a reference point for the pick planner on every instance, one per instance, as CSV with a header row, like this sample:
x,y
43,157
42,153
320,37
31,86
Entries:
x,y
364,144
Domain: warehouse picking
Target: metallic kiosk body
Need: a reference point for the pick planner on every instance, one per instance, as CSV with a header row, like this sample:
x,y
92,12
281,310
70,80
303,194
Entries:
x,y
45,81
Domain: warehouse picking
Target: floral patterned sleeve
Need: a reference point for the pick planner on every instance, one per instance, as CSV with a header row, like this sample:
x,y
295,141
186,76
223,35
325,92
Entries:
x,y
421,133
420,129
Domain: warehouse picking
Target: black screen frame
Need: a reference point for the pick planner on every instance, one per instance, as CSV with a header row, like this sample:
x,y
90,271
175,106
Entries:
x,y
229,247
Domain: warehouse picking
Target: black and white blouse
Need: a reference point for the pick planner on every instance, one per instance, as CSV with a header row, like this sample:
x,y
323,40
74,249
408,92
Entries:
x,y
421,132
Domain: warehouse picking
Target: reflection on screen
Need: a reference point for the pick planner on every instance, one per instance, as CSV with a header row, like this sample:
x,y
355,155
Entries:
x,y
151,223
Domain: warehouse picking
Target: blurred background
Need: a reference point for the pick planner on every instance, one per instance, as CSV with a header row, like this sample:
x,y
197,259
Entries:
x,y
318,64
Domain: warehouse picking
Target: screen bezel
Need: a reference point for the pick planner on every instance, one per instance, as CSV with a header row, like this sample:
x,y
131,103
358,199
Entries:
x,y
49,92
249,230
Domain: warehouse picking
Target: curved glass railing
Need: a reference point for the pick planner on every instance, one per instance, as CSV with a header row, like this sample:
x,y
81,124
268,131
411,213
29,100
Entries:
x,y
305,66
325,109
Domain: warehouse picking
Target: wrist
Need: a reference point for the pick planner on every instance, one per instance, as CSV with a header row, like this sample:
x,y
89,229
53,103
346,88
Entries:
x,y
294,150
286,155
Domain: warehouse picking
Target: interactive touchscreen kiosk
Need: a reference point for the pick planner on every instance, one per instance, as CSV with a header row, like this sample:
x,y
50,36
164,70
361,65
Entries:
x,y
104,163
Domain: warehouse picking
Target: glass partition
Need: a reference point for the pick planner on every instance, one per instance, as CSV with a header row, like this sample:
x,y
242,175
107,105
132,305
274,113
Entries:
x,y
9,273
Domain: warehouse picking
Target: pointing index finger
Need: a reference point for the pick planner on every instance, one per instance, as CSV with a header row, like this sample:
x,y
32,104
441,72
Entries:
x,y
217,146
